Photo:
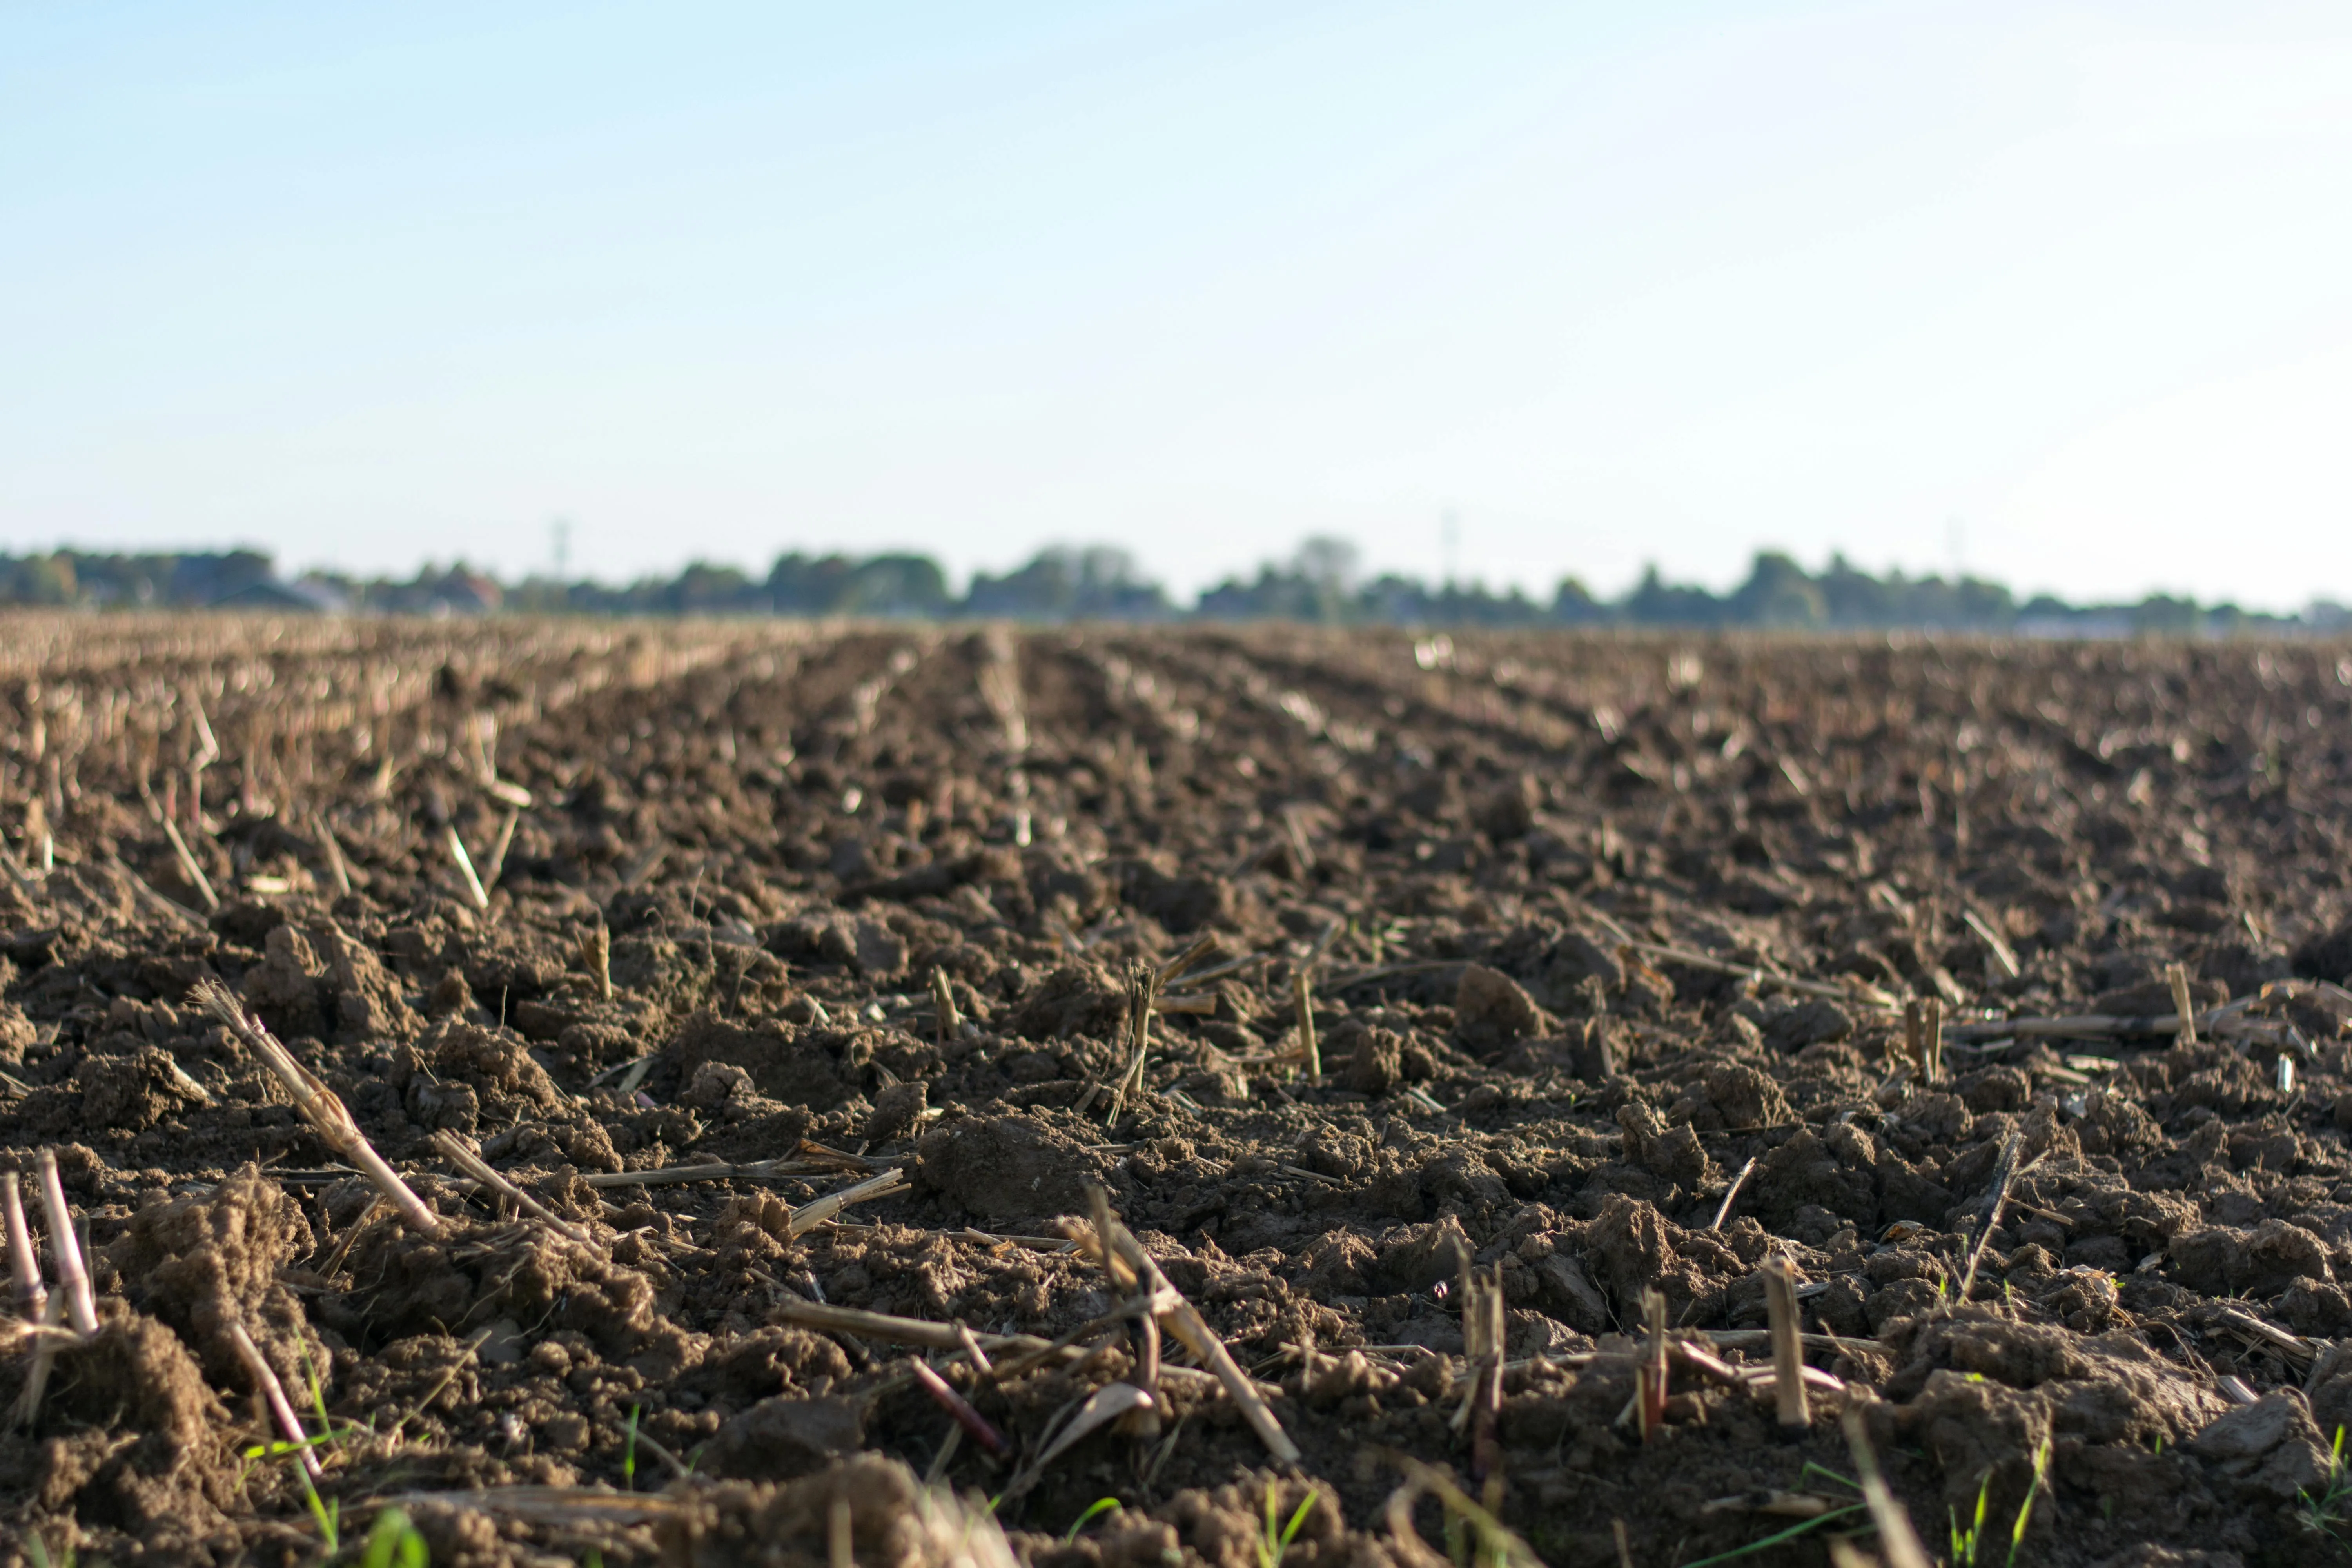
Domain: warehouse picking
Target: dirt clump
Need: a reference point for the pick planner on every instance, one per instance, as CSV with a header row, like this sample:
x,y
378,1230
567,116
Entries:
x,y
888,1519
133,1093
1074,999
136,1447
789,1064
1004,1167
210,1262
785,1436
1491,1011
1372,1058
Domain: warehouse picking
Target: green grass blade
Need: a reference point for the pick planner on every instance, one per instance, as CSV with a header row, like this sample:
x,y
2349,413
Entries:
x,y
1828,1475
1099,1507
2026,1508
1791,1533
1291,1530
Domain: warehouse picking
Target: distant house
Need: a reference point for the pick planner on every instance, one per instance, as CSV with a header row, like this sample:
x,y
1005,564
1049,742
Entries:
x,y
270,594
468,593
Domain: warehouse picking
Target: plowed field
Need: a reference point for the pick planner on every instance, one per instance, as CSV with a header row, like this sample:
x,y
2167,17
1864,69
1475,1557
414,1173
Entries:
x,y
1453,1031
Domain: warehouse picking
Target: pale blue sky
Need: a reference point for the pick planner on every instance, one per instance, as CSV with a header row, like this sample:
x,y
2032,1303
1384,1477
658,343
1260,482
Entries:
x,y
1615,283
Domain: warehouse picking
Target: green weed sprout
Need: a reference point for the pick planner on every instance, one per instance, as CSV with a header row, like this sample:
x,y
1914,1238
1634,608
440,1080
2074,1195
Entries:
x,y
40,1549
2026,1508
629,1454
394,1543
275,1448
1964,1542
1101,1506
1780,1537
328,1513
2322,1514
1276,1539
318,1392
1828,1475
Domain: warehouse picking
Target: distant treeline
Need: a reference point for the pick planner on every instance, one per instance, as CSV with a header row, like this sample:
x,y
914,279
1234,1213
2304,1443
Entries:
x,y
1319,583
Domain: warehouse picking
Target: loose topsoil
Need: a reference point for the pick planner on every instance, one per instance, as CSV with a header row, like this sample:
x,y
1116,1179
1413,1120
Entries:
x,y
1596,930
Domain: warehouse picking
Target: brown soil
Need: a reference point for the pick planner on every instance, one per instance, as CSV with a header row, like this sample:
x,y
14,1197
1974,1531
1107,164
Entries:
x,y
786,833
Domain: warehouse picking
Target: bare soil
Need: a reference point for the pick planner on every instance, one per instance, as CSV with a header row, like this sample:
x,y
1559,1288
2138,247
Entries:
x,y
792,839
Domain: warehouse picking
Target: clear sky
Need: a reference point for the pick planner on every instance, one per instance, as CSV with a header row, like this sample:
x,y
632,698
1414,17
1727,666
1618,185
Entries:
x,y
2064,293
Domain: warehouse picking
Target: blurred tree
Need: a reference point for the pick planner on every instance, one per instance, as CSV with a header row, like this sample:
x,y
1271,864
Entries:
x,y
1778,593
1656,602
1062,583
